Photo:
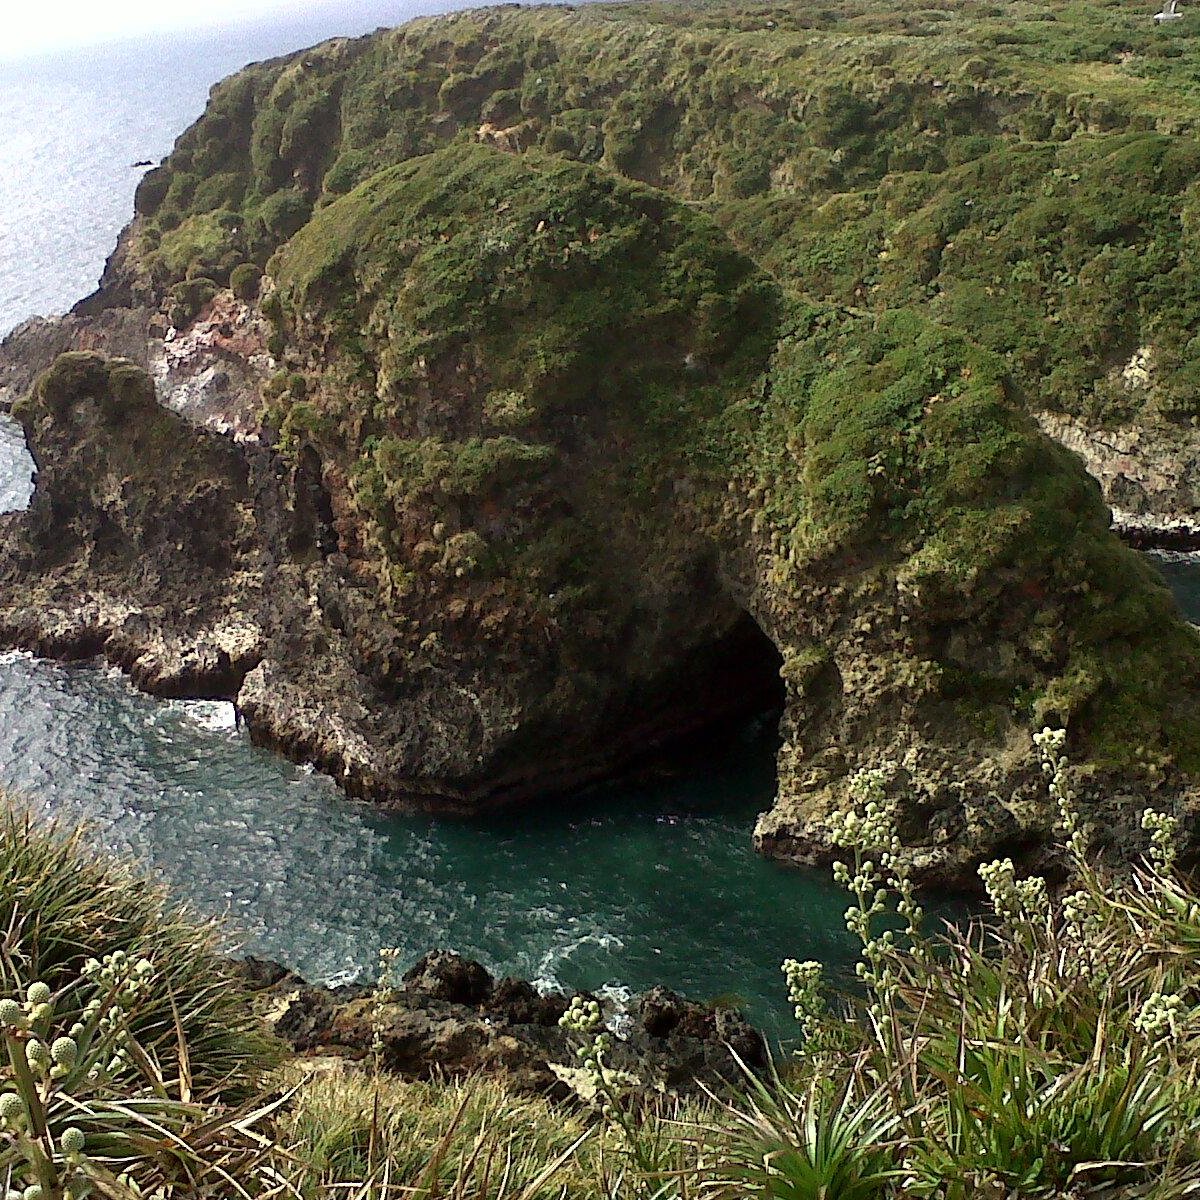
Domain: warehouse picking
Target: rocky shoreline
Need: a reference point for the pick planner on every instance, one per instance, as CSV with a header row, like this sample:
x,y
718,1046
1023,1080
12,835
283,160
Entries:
x,y
448,1016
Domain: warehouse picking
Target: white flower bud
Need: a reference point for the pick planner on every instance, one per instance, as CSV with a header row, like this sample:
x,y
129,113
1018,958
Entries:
x,y
72,1140
64,1051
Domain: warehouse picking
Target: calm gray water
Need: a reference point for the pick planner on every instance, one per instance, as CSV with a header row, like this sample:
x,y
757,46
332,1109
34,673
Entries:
x,y
622,887
72,126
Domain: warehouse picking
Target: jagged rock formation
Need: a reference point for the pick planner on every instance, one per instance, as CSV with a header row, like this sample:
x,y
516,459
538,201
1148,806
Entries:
x,y
479,468
449,1017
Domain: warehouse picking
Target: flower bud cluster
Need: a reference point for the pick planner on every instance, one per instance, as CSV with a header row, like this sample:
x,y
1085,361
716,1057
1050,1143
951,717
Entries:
x,y
868,830
804,981
1163,830
585,1017
119,982
1055,765
1158,1019
582,1016
870,825
117,976
35,1013
55,1160
1083,927
389,956
1017,902
12,1111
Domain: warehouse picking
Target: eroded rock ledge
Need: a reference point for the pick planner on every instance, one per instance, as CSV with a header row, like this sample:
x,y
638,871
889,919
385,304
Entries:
x,y
449,1017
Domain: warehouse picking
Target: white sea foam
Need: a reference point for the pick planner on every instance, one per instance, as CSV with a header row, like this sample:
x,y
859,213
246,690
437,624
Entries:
x,y
618,1001
217,716
547,978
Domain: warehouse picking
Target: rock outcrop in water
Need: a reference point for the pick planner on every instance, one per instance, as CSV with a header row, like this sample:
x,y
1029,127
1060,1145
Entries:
x,y
516,414
449,1017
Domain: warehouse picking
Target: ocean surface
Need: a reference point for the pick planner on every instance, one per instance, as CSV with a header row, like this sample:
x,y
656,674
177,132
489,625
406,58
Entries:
x,y
617,888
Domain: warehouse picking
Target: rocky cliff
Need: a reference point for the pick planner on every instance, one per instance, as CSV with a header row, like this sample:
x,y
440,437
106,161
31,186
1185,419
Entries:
x,y
504,395
449,1017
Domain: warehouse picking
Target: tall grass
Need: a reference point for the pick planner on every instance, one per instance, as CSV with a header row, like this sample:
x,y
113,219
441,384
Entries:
x,y
386,1137
62,903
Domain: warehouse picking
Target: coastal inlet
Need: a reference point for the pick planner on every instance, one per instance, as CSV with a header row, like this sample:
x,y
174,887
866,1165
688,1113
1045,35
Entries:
x,y
644,882
638,884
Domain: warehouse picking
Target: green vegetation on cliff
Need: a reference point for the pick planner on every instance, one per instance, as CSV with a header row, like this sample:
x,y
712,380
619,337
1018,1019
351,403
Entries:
x,y
1026,173
892,458
515,360
604,335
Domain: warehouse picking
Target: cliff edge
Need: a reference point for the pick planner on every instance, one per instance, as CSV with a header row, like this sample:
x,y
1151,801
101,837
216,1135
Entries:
x,y
484,402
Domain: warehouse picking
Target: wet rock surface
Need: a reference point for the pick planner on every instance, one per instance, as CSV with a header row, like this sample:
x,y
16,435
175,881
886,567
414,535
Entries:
x,y
449,1016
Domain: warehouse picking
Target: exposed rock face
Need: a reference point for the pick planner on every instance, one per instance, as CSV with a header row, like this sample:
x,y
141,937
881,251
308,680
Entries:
x,y
448,1016
1150,473
132,511
466,594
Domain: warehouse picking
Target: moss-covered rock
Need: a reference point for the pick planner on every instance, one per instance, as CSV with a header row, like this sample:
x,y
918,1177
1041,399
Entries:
x,y
942,581
1026,177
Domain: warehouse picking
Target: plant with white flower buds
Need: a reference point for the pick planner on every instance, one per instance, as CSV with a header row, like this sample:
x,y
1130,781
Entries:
x,y
878,873
804,980
610,1089
1023,905
1163,830
383,995
1159,1017
80,1062
1056,766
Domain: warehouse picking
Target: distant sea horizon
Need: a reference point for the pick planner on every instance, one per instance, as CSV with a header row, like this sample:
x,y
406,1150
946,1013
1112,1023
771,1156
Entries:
x,y
74,122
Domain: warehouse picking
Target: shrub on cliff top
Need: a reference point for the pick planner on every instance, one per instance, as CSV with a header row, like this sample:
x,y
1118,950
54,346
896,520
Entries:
x,y
244,281
61,904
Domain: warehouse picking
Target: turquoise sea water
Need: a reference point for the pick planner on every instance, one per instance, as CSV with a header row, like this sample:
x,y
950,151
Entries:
x,y
622,887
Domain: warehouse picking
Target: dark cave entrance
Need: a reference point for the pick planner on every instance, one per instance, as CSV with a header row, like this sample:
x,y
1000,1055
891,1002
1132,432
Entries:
x,y
730,695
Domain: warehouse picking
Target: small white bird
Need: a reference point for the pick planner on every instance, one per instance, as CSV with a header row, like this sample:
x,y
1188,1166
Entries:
x,y
1170,12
